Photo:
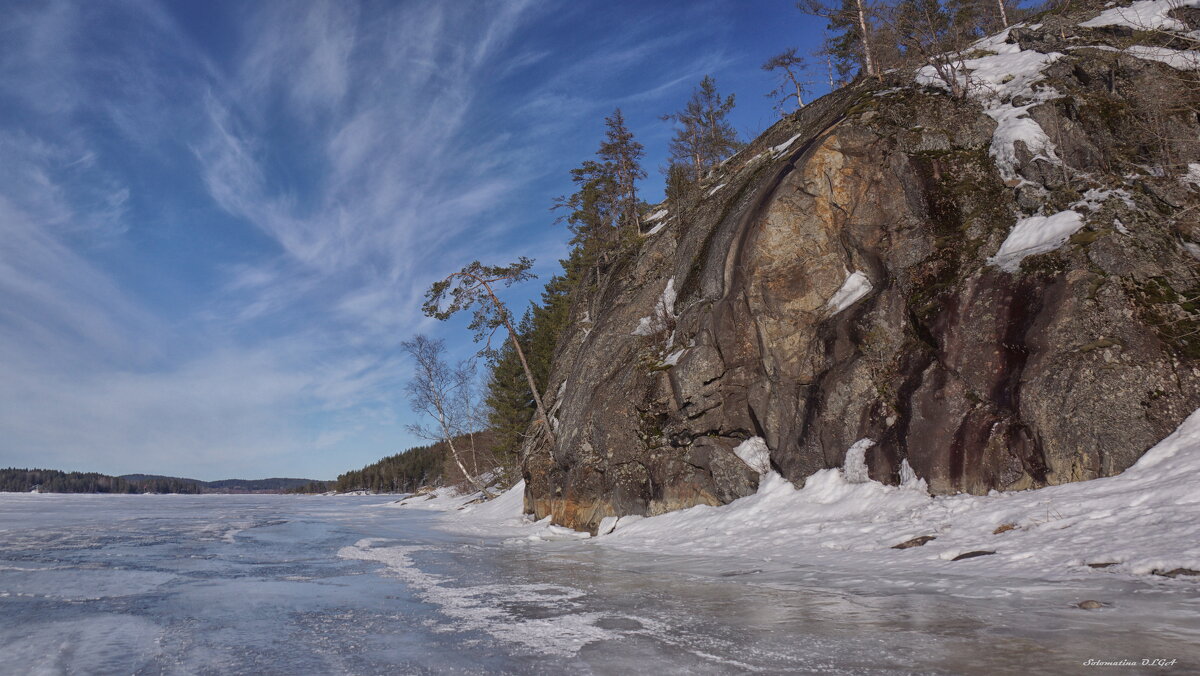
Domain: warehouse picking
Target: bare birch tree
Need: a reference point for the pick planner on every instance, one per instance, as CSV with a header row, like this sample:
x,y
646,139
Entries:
x,y
437,392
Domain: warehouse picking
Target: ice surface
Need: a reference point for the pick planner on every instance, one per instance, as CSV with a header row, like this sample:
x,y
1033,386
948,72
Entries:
x,y
488,607
352,585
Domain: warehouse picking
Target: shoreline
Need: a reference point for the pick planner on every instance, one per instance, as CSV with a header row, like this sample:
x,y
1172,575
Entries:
x,y
1141,525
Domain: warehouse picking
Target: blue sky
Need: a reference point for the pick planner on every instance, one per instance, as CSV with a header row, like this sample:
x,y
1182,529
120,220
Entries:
x,y
217,218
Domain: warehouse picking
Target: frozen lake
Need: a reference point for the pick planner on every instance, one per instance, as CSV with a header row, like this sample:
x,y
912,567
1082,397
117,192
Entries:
x,y
95,584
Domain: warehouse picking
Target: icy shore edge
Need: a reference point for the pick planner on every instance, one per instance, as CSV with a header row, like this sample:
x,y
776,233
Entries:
x,y
1143,522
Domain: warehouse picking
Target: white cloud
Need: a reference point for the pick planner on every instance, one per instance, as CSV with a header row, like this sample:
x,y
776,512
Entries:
x,y
307,183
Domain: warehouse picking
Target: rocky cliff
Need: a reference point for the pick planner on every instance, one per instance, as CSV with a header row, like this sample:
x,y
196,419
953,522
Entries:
x,y
994,292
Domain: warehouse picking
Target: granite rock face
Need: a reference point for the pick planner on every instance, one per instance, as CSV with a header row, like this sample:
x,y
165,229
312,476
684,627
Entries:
x,y
835,281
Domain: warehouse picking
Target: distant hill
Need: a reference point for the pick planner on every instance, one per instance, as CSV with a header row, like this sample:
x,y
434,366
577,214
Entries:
x,y
55,481
273,485
257,485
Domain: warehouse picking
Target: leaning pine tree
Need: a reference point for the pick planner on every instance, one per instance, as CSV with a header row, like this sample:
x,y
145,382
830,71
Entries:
x,y
509,400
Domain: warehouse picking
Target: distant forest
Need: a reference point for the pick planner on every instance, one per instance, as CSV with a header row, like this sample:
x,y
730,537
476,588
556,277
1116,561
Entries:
x,y
409,470
54,481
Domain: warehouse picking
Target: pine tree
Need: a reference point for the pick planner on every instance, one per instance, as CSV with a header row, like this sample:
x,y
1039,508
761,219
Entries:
x,y
793,80
978,18
931,34
604,210
591,216
508,400
852,23
703,135
474,288
678,179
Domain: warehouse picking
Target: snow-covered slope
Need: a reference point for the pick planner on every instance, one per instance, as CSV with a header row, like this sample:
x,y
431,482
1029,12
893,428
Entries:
x,y
1144,521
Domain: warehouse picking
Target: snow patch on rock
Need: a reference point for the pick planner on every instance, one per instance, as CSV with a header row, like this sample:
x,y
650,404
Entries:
x,y
1036,235
1143,15
856,286
782,147
1179,59
994,81
664,312
755,454
909,478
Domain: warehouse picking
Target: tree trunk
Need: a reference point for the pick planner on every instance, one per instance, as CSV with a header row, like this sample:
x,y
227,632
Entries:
x,y
868,62
474,453
448,436
458,461
512,335
1003,13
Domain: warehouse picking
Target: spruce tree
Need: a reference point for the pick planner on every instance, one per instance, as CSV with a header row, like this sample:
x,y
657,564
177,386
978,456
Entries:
x,y
621,155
